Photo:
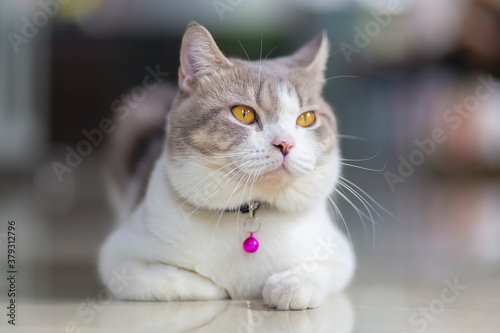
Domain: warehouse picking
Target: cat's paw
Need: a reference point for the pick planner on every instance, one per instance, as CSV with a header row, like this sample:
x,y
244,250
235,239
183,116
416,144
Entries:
x,y
171,284
159,282
291,291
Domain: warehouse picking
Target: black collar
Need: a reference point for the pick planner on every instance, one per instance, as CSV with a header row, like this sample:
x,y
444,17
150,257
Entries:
x,y
245,208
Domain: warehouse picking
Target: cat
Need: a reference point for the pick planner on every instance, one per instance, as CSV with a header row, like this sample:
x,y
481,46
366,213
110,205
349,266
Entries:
x,y
240,139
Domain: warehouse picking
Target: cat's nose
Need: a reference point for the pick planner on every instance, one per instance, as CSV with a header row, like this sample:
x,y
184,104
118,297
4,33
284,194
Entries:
x,y
284,144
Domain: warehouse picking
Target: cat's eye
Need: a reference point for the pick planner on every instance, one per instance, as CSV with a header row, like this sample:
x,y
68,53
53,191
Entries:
x,y
244,113
306,119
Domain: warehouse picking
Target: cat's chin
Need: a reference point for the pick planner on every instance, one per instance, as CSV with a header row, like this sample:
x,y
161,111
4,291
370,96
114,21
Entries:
x,y
279,177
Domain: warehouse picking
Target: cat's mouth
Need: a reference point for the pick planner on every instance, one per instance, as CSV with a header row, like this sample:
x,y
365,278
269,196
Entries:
x,y
280,165
281,171
285,167
288,167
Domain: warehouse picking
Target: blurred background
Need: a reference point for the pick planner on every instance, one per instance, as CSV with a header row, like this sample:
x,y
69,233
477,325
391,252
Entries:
x,y
414,85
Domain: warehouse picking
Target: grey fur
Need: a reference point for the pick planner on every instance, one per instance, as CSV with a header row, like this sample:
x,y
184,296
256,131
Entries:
x,y
200,122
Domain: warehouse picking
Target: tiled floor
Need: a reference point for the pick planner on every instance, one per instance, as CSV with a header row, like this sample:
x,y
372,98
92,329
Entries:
x,y
436,270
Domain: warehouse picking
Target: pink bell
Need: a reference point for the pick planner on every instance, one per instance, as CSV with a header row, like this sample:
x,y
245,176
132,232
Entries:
x,y
250,244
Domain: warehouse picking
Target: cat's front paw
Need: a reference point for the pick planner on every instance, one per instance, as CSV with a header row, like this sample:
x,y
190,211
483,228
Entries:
x,y
291,291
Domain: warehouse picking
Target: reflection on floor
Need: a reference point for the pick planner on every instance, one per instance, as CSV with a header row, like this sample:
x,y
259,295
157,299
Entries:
x,y
436,270
369,308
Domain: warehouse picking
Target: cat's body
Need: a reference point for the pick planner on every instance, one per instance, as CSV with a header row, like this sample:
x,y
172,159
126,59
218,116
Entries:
x,y
183,241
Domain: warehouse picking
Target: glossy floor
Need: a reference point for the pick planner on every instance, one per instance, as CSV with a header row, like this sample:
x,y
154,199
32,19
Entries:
x,y
437,269
371,308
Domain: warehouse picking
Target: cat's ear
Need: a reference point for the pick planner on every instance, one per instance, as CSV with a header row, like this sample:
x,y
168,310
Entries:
x,y
313,55
199,55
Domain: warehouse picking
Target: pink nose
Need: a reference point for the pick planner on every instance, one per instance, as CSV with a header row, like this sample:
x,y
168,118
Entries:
x,y
284,145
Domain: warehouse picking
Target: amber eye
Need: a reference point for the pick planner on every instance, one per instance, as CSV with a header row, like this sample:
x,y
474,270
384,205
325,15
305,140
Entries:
x,y
244,113
306,119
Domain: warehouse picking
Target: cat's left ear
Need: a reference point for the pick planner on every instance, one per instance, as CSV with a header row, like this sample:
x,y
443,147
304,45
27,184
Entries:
x,y
199,56
313,55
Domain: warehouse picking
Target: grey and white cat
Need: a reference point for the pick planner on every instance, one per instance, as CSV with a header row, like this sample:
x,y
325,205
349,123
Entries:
x,y
237,132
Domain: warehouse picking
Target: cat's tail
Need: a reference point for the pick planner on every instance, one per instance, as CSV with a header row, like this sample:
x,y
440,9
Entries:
x,y
134,146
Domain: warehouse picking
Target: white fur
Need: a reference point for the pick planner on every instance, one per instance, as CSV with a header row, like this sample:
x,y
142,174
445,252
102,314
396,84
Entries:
x,y
168,253
180,244
205,186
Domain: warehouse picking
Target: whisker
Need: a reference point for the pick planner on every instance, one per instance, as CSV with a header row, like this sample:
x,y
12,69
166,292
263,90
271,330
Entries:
x,y
220,188
344,222
359,212
360,159
369,197
342,194
261,44
361,215
342,76
241,201
215,155
334,52
199,183
274,48
233,179
304,82
365,168
352,137
243,48
227,201
228,155
370,218
344,183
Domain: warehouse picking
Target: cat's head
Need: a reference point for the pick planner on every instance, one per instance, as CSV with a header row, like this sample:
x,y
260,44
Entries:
x,y
251,130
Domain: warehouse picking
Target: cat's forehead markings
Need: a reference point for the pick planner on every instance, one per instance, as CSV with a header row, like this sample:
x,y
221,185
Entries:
x,y
289,103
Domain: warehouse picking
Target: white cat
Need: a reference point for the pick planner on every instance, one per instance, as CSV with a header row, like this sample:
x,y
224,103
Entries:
x,y
238,135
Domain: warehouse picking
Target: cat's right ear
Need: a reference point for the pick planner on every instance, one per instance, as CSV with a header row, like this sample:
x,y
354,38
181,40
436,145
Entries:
x,y
199,55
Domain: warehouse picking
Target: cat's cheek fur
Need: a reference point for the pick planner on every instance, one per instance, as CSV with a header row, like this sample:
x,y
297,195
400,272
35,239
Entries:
x,y
221,191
